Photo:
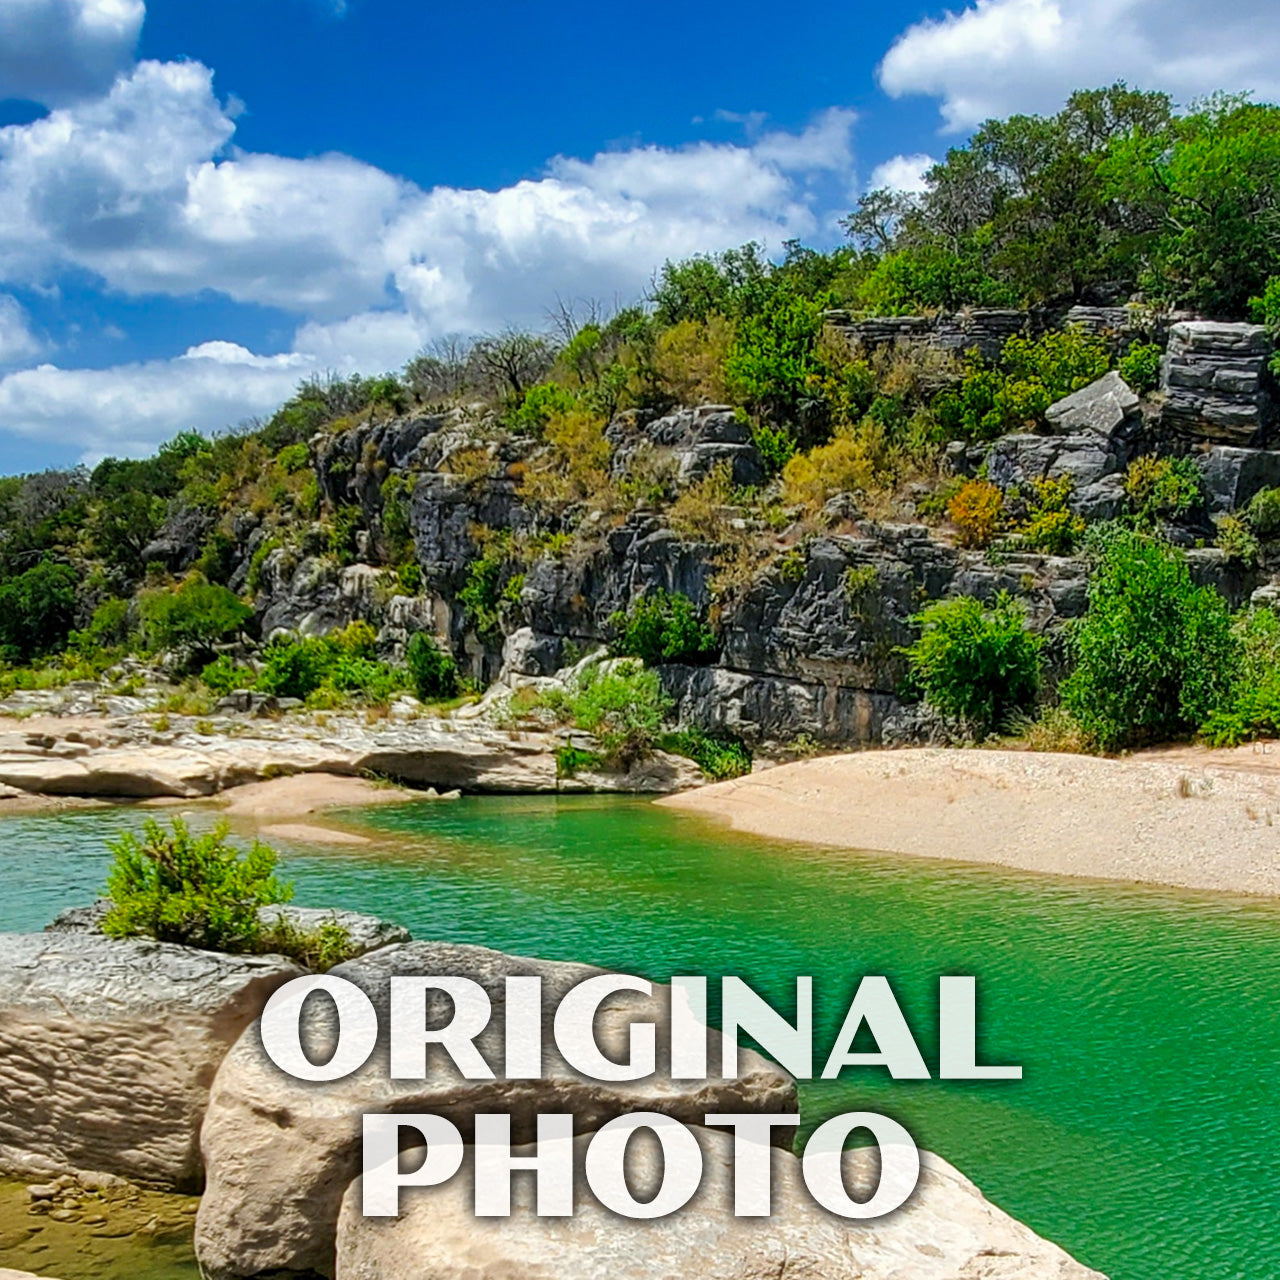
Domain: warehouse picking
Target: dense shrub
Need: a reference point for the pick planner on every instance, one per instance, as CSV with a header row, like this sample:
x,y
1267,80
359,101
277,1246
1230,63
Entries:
x,y
1031,376
1263,514
223,676
1154,654
772,360
663,626
1140,366
623,705
433,674
197,890
1163,489
342,663
1051,526
718,756
195,615
929,278
36,610
976,509
977,663
295,668
846,464
1252,707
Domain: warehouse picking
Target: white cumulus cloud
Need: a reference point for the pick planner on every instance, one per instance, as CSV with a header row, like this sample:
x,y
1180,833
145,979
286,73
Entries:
x,y
1001,56
144,189
902,173
57,51
131,408
17,342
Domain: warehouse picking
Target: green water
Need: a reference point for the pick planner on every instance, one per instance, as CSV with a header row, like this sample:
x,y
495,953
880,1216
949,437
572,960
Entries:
x,y
1143,1135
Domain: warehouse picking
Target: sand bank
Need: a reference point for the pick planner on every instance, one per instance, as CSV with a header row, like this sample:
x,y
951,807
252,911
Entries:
x,y
1194,818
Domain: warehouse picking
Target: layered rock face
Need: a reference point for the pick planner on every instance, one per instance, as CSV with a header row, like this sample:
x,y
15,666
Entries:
x,y
281,1152
984,330
692,443
108,1048
1216,383
467,753
946,1231
1092,437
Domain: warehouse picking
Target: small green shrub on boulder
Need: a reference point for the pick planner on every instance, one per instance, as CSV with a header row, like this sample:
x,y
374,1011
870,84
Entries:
x,y
196,890
201,891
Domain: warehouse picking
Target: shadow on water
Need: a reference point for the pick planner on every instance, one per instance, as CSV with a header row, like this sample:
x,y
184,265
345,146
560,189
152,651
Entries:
x,y
1146,1020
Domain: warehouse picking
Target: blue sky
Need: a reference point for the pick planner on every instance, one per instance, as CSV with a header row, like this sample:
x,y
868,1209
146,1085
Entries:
x,y
201,204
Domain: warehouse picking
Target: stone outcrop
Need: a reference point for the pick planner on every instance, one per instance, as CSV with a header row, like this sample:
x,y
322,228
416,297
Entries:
x,y
982,330
108,1048
465,752
1092,437
281,1152
689,443
366,933
809,648
946,1231
1216,383
1232,476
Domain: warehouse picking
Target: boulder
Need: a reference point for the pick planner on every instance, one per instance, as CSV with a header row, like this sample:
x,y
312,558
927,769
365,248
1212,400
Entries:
x,y
946,1231
1109,408
7,1274
281,1152
108,1048
367,933
1233,475
1216,383
693,441
1095,464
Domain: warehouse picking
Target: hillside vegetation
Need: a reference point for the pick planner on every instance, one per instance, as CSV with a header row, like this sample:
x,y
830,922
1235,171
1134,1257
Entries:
x,y
453,478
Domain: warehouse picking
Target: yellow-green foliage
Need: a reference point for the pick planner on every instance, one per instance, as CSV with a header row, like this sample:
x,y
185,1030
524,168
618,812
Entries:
x,y
698,513
1051,526
976,511
576,465
1163,488
847,464
689,360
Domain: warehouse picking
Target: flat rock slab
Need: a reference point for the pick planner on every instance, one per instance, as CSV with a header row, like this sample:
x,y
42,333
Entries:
x,y
946,1231
367,933
280,1153
108,1048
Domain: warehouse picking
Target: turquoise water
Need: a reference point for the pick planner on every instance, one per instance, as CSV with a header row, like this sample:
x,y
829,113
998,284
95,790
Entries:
x,y
1143,1136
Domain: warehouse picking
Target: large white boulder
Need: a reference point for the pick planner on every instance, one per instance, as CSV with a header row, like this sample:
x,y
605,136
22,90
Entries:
x,y
108,1048
280,1153
946,1231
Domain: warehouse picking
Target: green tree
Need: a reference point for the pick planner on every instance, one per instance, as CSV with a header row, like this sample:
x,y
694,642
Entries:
x,y
1154,654
37,609
195,615
773,363
1210,184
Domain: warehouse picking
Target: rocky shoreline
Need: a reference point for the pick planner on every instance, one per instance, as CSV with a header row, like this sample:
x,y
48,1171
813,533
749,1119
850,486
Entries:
x,y
134,1062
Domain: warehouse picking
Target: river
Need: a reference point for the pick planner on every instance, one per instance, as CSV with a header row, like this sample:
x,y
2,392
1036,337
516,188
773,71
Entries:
x,y
1142,1136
